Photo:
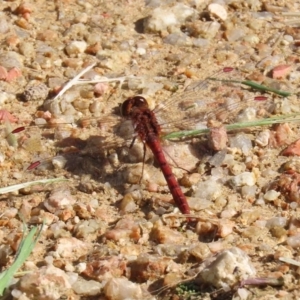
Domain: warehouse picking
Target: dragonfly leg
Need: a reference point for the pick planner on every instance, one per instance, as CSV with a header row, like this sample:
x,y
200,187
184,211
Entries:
x,y
144,156
132,143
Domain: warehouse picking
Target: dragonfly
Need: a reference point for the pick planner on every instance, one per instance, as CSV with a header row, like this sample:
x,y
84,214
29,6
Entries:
x,y
198,105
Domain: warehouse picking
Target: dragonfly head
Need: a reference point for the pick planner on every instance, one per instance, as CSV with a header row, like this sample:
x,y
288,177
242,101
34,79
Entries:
x,y
132,104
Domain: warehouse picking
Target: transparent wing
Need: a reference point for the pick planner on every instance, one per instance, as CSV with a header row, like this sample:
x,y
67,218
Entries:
x,y
208,101
198,105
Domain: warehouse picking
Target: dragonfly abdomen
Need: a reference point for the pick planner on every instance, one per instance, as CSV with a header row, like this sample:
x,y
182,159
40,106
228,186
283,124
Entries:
x,y
174,187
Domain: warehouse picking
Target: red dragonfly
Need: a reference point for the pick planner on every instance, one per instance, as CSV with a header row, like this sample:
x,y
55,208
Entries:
x,y
191,109
146,126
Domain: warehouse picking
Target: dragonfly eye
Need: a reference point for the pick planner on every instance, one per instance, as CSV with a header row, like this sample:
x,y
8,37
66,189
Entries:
x,y
136,102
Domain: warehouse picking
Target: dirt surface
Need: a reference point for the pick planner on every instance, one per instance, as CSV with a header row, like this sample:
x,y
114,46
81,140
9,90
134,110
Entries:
x,y
108,233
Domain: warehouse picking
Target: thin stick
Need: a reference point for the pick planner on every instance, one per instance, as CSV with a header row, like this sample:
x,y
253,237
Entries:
x,y
73,81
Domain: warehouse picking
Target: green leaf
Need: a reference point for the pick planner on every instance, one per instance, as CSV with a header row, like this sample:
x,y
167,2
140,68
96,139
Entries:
x,y
25,248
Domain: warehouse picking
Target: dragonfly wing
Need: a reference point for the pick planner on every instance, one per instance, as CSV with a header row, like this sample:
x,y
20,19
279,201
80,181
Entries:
x,y
205,101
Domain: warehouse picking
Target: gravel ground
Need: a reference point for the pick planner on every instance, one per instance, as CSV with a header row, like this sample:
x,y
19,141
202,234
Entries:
x,y
108,234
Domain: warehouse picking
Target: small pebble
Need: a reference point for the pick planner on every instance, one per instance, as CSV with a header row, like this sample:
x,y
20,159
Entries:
x,y
209,190
276,222
35,92
48,277
245,178
281,71
168,19
218,138
71,248
242,142
59,162
292,149
3,73
217,10
234,34
294,241
122,288
128,204
263,137
220,272
271,195
87,287
249,192
178,38
76,47
11,60
59,198
13,74
4,25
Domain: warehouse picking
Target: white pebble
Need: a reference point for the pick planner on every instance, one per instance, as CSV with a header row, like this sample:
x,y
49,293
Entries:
x,y
40,121
200,42
260,202
221,272
293,205
160,20
252,38
276,222
294,241
293,77
263,138
122,288
4,25
17,175
59,162
242,142
288,38
244,294
72,277
209,190
135,83
2,158
210,30
217,10
249,114
16,294
76,47
4,97
59,198
87,287
168,19
245,178
183,12
178,38
141,51
80,267
271,195
249,191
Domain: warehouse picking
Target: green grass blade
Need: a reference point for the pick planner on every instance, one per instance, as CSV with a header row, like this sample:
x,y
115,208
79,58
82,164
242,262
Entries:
x,y
24,250
264,88
236,126
254,85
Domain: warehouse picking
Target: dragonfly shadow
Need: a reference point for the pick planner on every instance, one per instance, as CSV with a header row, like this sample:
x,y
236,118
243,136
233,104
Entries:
x,y
84,158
